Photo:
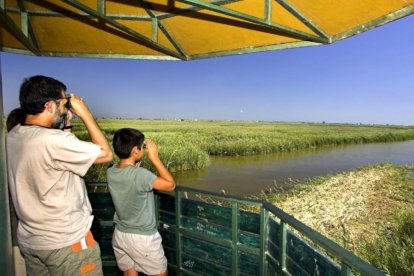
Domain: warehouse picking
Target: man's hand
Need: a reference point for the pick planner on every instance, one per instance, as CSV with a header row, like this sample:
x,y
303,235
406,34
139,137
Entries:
x,y
78,106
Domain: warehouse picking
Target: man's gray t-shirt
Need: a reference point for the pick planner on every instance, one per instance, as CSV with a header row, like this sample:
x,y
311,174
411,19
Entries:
x,y
131,192
45,167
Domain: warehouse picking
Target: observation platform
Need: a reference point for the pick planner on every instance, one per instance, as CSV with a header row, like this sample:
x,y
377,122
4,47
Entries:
x,y
211,234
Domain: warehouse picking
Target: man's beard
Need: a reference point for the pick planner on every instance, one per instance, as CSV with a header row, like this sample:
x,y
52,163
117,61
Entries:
x,y
59,121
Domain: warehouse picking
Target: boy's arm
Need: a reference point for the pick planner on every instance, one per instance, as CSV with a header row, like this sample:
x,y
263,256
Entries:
x,y
165,181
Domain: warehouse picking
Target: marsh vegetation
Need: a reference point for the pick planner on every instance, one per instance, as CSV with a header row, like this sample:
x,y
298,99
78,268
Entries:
x,y
369,211
188,145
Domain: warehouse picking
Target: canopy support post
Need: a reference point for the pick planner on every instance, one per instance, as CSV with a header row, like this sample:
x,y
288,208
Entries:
x,y
6,259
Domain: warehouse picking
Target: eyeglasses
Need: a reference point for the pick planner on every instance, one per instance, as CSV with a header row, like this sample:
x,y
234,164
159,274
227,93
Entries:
x,y
67,104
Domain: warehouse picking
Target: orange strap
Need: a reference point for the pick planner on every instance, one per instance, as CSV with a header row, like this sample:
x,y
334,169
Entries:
x,y
87,268
84,243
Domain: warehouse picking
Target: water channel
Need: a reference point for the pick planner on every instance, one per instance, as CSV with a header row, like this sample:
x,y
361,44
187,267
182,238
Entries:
x,y
250,174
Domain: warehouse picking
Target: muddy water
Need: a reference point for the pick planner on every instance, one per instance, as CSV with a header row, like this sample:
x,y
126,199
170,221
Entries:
x,y
251,174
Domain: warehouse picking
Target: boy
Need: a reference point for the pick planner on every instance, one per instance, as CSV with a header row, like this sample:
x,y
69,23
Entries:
x,y
136,241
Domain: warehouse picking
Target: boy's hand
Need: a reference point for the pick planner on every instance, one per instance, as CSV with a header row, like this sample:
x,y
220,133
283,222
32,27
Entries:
x,y
152,151
164,181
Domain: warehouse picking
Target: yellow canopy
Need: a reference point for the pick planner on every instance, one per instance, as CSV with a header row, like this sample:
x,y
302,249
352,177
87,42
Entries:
x,y
184,29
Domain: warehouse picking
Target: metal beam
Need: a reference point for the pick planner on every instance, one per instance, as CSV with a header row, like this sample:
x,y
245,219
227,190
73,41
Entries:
x,y
101,4
259,21
162,27
255,50
101,8
81,14
148,42
28,22
194,9
88,55
375,23
268,11
17,32
295,12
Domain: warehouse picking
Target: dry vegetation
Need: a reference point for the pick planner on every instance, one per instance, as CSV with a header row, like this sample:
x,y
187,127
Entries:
x,y
363,210
351,203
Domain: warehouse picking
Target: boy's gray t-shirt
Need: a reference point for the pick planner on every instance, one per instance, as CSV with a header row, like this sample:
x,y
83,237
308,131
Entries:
x,y
131,192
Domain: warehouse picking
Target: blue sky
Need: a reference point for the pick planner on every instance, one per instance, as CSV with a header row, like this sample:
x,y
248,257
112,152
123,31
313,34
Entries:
x,y
368,78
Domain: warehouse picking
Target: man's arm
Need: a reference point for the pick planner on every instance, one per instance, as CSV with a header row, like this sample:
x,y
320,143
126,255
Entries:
x,y
79,107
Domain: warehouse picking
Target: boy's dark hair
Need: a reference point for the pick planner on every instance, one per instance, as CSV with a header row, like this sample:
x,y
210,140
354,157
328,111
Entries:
x,y
16,116
125,139
38,90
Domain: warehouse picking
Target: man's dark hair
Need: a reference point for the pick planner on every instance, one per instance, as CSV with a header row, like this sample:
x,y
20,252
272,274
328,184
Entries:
x,y
125,139
36,91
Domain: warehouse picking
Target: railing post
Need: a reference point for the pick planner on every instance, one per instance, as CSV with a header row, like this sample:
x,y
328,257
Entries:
x,y
345,270
264,240
178,254
282,246
157,207
235,237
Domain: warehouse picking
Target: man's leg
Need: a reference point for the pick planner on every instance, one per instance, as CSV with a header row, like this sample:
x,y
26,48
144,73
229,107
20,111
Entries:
x,y
83,262
65,261
34,265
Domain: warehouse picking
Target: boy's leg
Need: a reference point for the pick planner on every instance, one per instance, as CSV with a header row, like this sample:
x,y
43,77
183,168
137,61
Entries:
x,y
149,256
145,253
123,260
131,272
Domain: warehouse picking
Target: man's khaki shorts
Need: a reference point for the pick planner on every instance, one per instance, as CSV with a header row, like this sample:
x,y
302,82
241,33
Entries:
x,y
144,253
82,258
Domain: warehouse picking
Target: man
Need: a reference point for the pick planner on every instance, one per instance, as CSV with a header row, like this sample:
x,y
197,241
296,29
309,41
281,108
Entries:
x,y
45,166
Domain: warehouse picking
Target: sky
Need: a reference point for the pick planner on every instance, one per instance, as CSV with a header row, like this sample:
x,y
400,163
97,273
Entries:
x,y
367,78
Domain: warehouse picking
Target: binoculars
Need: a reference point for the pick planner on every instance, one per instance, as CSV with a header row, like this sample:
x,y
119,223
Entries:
x,y
67,104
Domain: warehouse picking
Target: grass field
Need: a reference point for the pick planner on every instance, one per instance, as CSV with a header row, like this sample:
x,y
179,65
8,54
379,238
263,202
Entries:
x,y
187,145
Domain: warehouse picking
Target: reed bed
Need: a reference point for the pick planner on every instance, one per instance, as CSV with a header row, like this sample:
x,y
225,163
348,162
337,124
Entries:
x,y
369,210
187,145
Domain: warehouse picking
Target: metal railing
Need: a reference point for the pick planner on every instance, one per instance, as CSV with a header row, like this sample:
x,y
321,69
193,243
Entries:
x,y
348,261
267,237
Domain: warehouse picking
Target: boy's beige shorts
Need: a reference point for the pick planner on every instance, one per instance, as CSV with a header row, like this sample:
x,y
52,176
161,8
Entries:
x,y
144,253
